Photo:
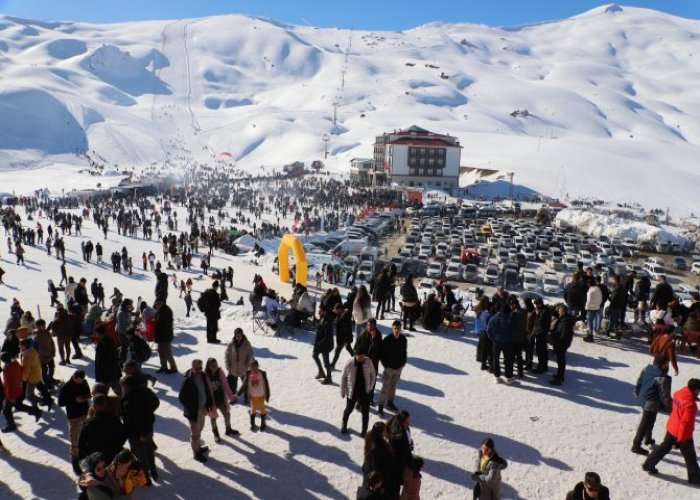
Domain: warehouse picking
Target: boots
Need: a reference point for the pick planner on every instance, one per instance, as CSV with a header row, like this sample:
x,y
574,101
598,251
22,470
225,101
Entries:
x,y
327,380
320,375
231,432
253,427
200,455
76,466
263,426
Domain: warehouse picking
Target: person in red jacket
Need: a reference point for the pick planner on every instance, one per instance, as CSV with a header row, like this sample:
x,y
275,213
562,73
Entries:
x,y
12,389
679,432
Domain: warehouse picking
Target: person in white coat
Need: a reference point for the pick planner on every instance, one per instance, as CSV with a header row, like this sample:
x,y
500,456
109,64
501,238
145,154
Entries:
x,y
594,302
356,385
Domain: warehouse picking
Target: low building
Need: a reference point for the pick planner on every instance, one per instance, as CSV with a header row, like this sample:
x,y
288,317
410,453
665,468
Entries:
x,y
416,157
367,172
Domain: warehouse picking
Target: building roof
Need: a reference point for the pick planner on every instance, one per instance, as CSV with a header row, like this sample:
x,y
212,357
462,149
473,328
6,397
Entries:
x,y
424,141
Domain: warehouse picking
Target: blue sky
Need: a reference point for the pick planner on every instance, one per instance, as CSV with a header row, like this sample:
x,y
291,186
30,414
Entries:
x,y
359,14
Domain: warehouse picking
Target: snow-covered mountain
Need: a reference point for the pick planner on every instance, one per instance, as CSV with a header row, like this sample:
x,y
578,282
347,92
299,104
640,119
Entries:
x,y
611,96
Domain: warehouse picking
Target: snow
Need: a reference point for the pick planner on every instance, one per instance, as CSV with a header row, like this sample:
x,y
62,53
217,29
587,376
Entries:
x,y
550,436
610,94
622,225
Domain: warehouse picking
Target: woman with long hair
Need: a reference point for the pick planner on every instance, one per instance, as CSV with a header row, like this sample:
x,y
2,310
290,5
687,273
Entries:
x,y
361,309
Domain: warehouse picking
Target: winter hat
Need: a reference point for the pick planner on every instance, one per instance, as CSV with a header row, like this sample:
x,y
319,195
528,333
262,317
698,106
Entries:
x,y
361,350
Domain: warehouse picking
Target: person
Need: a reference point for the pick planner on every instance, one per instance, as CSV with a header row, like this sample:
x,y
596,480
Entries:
x,y
221,395
212,311
323,345
370,339
139,405
127,472
102,432
113,404
96,481
361,309
31,374
501,336
46,348
393,357
483,346
561,337
75,397
679,432
653,390
663,293
412,480
575,296
343,332
663,344
256,390
164,336
591,488
432,313
62,328
381,292
239,354
409,303
618,304
107,370
488,472
518,326
356,384
594,301
12,392
379,456
196,401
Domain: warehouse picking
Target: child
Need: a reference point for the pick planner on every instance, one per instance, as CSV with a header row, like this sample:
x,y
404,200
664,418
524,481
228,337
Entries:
x,y
257,390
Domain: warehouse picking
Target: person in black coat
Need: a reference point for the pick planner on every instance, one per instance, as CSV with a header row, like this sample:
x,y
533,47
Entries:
x,y
575,296
107,369
323,345
212,311
618,304
432,313
394,355
193,390
541,320
409,303
164,336
343,332
380,457
663,293
370,340
161,286
381,292
561,337
103,432
139,405
75,397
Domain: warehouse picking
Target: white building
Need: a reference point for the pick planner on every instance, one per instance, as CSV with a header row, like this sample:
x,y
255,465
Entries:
x,y
418,158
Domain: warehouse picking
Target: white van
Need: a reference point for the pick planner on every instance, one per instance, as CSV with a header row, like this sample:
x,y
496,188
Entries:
x,y
350,247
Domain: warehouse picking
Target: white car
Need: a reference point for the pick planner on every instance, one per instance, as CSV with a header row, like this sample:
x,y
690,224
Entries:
x,y
398,261
434,270
491,275
454,272
426,285
551,284
530,282
695,268
471,272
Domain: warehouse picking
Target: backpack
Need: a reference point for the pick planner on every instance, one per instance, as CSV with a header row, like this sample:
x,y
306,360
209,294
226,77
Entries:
x,y
202,303
140,350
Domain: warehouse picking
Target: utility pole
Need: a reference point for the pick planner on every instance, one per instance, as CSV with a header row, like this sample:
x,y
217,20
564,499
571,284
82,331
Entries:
x,y
325,139
335,110
510,175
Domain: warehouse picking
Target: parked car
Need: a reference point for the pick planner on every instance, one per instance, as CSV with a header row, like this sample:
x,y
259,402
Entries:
x,y
551,284
530,281
454,272
471,272
435,270
491,274
680,263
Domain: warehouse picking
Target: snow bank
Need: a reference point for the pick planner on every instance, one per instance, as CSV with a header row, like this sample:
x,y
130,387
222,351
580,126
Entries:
x,y
618,225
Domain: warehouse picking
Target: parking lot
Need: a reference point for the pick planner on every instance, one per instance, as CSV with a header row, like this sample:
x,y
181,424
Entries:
x,y
521,255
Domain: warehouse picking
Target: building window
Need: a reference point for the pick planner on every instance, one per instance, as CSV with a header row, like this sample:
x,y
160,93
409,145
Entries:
x,y
412,171
431,161
422,151
421,171
421,162
412,161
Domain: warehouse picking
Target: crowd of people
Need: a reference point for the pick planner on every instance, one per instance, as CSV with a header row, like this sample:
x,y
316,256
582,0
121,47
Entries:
x,y
113,423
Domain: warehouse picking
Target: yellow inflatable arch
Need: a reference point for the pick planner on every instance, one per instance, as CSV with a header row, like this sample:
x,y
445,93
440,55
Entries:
x,y
290,242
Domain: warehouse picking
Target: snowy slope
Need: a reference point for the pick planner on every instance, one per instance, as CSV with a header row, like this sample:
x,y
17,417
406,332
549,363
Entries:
x,y
611,96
